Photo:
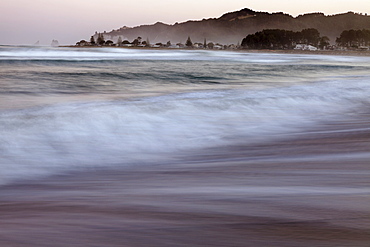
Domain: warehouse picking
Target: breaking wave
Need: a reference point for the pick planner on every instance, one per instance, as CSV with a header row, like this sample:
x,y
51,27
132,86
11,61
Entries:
x,y
52,138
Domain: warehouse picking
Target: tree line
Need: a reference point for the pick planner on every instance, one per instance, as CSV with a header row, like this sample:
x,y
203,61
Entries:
x,y
266,39
100,41
354,38
138,42
284,39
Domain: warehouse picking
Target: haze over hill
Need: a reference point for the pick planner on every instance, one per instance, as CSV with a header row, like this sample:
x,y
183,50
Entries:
x,y
234,26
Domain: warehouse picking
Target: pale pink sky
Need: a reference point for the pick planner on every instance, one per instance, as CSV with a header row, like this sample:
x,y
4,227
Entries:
x,y
68,21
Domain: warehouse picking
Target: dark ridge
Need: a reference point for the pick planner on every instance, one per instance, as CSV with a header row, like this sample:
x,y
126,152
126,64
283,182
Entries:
x,y
232,27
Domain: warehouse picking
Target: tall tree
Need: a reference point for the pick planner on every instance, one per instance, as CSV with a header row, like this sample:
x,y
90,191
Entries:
x,y
92,40
100,40
324,42
311,36
188,42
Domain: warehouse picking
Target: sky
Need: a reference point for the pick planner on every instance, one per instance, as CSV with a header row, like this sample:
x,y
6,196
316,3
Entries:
x,y
68,21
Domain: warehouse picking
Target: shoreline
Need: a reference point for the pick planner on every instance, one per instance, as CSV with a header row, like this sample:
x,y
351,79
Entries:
x,y
297,52
305,184
306,190
320,52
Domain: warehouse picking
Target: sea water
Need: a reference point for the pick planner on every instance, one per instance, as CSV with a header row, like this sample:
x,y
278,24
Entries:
x,y
79,108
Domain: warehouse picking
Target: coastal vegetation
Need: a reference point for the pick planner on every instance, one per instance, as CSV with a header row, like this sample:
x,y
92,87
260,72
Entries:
x,y
354,39
232,27
274,39
277,39
139,43
247,29
284,39
276,31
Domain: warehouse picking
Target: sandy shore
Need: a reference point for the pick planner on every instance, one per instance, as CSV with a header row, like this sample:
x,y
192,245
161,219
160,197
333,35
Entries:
x,y
309,189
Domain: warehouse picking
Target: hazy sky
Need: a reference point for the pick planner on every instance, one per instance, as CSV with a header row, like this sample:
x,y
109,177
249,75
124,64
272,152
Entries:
x,y
68,21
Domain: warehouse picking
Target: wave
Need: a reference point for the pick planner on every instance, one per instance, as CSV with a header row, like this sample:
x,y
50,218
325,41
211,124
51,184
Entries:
x,y
254,98
75,54
51,70
44,140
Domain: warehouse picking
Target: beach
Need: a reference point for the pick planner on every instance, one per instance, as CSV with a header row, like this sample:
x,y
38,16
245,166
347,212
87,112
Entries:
x,y
308,190
121,147
354,52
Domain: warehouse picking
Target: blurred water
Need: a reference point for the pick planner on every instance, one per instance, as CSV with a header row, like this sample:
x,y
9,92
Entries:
x,y
64,108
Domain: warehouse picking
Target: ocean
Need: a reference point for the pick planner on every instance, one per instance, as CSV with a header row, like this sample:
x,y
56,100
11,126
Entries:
x,y
177,148
81,108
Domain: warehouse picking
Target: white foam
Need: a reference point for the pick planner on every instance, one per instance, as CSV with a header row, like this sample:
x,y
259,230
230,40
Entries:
x,y
105,53
61,137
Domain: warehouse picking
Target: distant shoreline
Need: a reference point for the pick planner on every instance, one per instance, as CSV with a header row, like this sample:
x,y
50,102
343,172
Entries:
x,y
303,52
320,52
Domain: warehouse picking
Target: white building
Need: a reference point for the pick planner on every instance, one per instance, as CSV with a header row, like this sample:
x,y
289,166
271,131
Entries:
x,y
305,47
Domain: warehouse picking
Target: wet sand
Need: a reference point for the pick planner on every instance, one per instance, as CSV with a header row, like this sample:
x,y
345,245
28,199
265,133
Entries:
x,y
308,189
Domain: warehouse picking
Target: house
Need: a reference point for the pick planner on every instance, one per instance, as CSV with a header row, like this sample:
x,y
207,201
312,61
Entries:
x,y
363,48
305,47
180,45
218,47
198,45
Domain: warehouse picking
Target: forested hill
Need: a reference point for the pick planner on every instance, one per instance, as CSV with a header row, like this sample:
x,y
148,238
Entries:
x,y
233,27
